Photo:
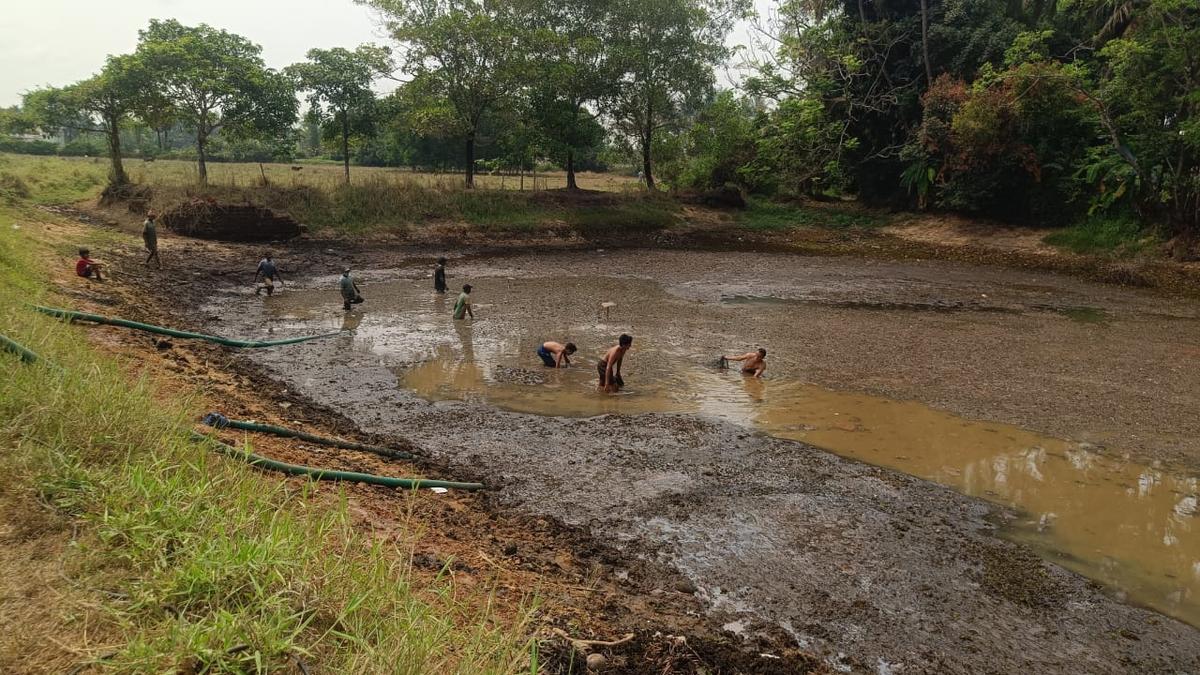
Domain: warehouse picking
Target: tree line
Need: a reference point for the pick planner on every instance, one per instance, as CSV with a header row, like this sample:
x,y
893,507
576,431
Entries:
x,y
1042,111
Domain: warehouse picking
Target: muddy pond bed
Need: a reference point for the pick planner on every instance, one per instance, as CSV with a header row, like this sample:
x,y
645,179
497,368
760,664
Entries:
x,y
827,499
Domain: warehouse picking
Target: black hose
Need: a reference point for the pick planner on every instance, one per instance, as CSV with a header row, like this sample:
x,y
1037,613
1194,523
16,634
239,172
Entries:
x,y
150,328
327,474
219,421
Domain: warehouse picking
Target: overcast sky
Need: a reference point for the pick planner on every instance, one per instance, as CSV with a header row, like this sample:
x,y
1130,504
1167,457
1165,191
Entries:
x,y
57,42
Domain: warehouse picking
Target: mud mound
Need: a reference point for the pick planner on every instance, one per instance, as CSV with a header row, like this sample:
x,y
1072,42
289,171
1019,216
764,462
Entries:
x,y
230,222
136,197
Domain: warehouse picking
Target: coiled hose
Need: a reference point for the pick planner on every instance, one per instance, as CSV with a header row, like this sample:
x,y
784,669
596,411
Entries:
x,y
29,356
328,474
219,421
150,328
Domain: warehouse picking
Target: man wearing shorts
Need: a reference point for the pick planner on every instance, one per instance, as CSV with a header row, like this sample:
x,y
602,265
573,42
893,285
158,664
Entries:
x,y
555,355
609,367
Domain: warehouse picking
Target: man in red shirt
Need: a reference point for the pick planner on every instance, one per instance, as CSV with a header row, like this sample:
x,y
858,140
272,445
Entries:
x,y
86,267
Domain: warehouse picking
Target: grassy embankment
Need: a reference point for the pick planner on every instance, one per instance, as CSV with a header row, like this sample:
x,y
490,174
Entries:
x,y
376,200
128,546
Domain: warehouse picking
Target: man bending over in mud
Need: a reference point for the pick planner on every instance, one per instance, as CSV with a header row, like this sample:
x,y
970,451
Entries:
x,y
350,292
555,355
609,367
462,307
269,274
753,363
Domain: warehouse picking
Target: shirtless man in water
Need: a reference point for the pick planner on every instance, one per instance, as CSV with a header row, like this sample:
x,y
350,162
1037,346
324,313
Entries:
x,y
555,355
753,363
609,367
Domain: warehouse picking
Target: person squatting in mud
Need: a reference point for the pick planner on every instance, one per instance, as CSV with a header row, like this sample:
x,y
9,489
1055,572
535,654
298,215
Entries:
x,y
88,268
753,363
269,273
350,293
150,238
609,367
555,355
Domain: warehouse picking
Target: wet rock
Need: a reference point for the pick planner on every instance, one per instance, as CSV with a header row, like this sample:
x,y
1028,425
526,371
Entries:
x,y
685,586
596,661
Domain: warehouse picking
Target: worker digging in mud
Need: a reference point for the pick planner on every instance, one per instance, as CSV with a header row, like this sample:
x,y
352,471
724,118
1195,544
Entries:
x,y
88,268
150,238
269,274
439,276
462,306
753,363
609,367
350,293
555,355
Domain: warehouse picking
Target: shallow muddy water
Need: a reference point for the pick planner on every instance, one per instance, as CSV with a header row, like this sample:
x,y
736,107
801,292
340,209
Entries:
x,y
1131,526
939,348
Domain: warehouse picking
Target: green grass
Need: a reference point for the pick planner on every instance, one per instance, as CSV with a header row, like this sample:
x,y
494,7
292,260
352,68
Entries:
x,y
1118,237
766,215
376,199
190,562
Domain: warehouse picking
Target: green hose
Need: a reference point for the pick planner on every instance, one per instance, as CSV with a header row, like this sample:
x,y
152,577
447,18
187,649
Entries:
x,y
150,328
20,350
326,474
219,421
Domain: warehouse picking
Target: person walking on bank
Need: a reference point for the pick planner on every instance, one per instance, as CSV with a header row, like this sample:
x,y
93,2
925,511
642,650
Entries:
x,y
350,293
150,238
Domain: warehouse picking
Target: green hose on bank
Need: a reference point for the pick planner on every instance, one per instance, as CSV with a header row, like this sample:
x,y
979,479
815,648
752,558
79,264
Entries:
x,y
19,349
219,421
150,328
327,474
28,356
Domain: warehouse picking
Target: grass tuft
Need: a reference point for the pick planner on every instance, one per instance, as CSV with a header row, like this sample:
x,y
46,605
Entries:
x,y
1115,236
767,215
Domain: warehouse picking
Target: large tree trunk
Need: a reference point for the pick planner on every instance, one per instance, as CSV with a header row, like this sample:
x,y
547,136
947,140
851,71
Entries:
x,y
646,169
346,145
925,42
202,165
471,161
117,175
571,185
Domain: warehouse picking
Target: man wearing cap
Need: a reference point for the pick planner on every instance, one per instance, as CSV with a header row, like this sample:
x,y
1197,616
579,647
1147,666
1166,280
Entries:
x,y
150,238
350,292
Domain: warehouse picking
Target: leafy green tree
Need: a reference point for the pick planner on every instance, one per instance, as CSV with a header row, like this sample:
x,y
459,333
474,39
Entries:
x,y
666,51
463,56
338,82
216,81
101,104
572,72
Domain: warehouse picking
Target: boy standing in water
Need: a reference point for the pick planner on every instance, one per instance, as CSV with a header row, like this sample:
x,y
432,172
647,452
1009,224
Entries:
x,y
150,238
463,305
350,292
753,363
439,276
554,355
269,273
609,367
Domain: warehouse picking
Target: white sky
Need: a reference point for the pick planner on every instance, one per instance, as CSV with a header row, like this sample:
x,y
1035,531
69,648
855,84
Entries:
x,y
57,42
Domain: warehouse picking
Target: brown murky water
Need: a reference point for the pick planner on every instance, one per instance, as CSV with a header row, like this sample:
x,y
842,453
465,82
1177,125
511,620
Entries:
x,y
1128,525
